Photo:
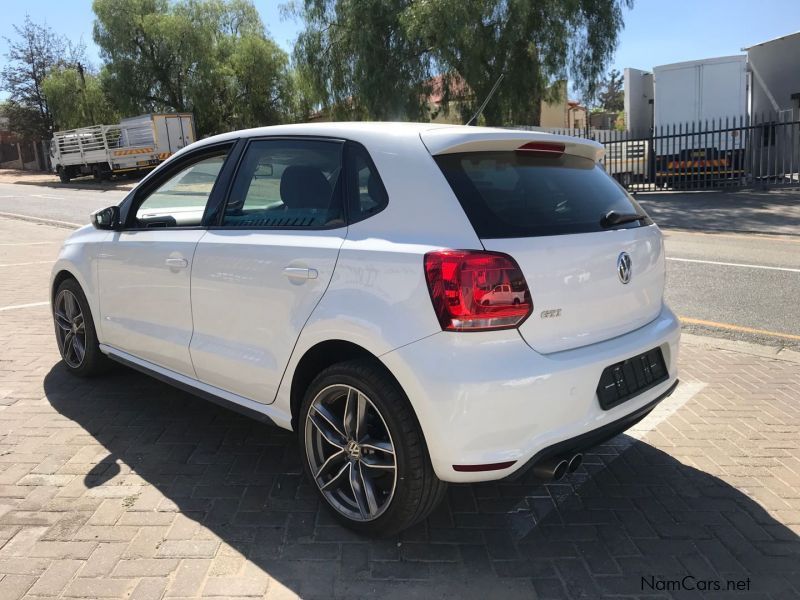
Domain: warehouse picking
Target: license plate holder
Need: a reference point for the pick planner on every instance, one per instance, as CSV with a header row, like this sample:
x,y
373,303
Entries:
x,y
627,379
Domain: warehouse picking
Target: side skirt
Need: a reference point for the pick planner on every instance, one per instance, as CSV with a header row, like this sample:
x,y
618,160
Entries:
x,y
255,410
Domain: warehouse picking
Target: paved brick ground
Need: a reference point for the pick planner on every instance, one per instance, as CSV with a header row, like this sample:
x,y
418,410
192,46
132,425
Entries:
x,y
122,487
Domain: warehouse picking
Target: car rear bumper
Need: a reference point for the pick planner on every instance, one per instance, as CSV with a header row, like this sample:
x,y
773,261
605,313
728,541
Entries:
x,y
488,398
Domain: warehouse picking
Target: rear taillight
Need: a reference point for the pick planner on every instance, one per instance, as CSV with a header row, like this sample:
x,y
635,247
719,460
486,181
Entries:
x,y
475,290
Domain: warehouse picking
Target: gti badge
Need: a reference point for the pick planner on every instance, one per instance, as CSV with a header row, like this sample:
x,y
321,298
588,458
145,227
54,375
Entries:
x,y
551,314
624,268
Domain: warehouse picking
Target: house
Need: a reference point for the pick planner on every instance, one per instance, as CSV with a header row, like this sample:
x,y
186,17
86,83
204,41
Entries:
x,y
559,113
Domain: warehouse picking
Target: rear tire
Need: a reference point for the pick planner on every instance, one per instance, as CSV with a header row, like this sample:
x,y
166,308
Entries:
x,y
63,174
75,332
368,487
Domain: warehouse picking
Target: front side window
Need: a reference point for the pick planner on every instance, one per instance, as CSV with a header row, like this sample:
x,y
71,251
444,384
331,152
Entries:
x,y
287,184
181,200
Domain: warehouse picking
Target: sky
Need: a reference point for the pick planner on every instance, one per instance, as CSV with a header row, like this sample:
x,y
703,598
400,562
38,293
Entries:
x,y
656,32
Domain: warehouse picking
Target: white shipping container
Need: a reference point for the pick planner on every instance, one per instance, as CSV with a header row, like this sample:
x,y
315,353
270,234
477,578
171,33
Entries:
x,y
691,93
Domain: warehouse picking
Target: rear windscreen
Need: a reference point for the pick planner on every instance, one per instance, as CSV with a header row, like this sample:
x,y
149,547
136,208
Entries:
x,y
510,194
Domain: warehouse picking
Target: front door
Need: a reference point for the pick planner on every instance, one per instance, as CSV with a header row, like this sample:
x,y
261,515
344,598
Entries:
x,y
144,269
258,275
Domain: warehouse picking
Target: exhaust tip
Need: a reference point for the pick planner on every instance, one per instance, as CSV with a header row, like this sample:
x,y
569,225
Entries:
x,y
575,462
560,470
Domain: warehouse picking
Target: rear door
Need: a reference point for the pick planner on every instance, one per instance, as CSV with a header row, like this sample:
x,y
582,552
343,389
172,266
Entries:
x,y
261,271
589,281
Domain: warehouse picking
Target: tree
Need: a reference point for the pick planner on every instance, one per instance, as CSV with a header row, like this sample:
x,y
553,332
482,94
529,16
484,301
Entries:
x,y
36,50
373,59
358,61
611,94
212,58
532,43
76,99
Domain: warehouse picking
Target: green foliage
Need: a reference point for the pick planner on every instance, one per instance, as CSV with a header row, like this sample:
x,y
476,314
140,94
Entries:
x,y
357,61
25,121
372,58
209,57
76,99
31,55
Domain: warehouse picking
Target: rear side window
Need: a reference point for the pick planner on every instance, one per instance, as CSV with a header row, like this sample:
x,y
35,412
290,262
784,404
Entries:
x,y
509,194
368,195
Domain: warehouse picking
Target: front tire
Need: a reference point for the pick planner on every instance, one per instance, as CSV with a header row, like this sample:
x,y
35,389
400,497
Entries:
x,y
75,332
364,450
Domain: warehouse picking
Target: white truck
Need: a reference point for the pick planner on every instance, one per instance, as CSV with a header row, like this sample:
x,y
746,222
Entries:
x,y
135,144
627,161
502,294
687,96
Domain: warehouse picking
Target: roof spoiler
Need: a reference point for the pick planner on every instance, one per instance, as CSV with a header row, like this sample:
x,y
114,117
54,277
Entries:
x,y
450,140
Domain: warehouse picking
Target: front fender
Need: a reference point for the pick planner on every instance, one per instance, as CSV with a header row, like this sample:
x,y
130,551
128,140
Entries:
x,y
79,258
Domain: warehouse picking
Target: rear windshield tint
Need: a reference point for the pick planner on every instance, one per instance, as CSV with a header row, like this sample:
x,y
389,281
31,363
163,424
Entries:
x,y
510,194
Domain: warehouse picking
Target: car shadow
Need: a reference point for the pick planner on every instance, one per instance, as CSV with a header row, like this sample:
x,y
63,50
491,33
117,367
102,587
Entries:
x,y
631,521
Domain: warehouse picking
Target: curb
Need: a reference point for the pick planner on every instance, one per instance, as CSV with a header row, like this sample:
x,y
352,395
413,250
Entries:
x,y
41,221
763,351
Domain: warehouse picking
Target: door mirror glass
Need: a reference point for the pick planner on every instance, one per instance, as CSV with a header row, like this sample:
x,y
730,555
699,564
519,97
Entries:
x,y
106,218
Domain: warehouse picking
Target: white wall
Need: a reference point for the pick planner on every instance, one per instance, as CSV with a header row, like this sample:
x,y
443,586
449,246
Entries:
x,y
778,64
638,97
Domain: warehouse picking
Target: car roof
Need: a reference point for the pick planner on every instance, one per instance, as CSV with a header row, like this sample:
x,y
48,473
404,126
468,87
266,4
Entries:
x,y
439,138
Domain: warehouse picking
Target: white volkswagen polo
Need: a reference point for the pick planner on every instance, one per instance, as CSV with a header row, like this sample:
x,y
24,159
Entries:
x,y
342,279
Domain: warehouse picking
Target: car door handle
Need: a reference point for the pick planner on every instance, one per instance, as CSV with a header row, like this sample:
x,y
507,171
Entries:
x,y
176,263
300,273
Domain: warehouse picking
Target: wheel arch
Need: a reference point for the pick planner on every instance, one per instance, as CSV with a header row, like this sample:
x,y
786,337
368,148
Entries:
x,y
67,269
321,356
58,279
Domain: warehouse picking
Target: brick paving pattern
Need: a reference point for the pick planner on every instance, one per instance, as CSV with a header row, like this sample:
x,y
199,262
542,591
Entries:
x,y
123,487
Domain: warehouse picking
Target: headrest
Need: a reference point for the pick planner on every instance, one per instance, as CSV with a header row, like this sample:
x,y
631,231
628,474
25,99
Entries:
x,y
304,186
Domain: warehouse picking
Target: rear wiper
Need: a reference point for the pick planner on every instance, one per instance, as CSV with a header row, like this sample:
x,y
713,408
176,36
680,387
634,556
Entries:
x,y
612,219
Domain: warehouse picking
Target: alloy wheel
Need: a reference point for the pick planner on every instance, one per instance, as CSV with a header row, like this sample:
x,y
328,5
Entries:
x,y
70,328
350,452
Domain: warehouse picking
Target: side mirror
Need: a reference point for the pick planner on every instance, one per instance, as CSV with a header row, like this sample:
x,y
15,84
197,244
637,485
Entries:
x,y
106,218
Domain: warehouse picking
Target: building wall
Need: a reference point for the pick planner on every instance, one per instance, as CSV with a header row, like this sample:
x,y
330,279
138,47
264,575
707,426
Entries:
x,y
554,114
778,64
638,101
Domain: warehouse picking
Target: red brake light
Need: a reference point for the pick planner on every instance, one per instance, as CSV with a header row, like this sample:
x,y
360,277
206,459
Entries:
x,y
475,290
554,149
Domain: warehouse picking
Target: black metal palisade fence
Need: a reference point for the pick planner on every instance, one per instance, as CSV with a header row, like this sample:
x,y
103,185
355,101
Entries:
x,y
744,151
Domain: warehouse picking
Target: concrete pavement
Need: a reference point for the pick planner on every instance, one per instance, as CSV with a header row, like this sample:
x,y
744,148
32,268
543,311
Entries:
x,y
123,487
